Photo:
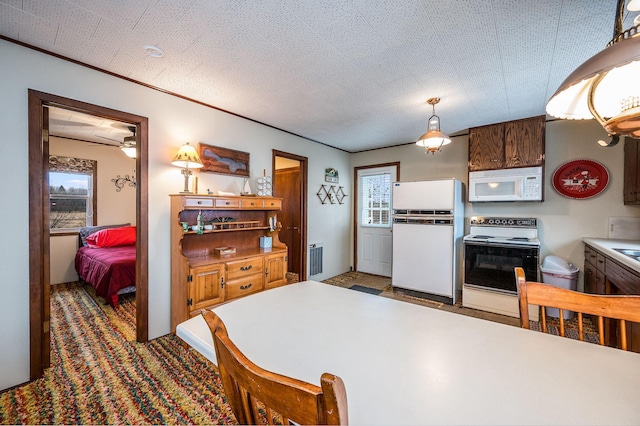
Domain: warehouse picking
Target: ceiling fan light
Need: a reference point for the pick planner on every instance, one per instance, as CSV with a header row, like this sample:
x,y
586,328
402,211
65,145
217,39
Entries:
x,y
130,151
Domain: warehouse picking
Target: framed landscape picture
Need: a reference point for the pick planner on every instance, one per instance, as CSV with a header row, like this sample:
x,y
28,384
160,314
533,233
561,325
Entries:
x,y
224,160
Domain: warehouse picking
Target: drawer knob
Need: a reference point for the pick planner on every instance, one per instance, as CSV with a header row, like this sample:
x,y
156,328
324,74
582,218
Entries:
x,y
199,202
246,287
227,203
246,268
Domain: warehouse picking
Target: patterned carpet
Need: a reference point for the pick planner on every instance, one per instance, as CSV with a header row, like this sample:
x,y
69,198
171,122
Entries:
x,y
100,375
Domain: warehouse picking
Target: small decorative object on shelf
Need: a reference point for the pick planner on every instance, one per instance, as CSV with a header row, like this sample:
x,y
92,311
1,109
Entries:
x,y
199,222
266,242
221,251
264,185
246,189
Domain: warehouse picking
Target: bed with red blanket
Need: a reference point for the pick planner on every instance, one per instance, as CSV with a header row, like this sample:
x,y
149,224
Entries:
x,y
108,261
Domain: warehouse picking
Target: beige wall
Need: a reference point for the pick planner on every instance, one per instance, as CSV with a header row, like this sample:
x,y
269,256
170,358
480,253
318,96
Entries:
x,y
113,207
563,222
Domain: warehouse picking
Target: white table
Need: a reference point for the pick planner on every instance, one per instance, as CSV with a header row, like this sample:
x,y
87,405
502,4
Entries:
x,y
407,364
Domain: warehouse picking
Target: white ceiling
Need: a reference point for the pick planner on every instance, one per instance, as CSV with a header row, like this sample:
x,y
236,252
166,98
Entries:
x,y
76,125
352,74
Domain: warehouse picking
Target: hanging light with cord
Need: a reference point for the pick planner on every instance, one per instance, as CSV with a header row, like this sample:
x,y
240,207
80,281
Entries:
x,y
433,140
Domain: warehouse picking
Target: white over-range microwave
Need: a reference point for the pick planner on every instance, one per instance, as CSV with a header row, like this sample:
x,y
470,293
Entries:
x,y
521,184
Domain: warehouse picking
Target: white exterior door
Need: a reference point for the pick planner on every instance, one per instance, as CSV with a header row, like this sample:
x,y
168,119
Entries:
x,y
373,222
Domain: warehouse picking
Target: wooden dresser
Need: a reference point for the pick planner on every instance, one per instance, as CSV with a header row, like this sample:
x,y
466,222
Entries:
x,y
201,278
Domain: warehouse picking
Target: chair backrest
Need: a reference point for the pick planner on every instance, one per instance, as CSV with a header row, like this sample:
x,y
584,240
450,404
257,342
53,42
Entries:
x,y
250,388
621,308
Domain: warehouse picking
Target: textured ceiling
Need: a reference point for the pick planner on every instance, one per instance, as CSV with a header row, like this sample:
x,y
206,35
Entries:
x,y
353,74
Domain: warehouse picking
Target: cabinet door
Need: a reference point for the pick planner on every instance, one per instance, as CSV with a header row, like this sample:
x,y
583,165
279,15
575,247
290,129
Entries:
x,y
589,278
276,270
631,171
524,142
206,287
486,147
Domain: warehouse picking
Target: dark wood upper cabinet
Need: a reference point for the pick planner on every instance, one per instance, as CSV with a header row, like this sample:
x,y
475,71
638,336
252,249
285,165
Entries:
x,y
486,147
512,144
631,171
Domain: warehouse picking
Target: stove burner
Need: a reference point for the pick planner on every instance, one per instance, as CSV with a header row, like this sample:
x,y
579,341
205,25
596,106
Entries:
x,y
483,236
519,239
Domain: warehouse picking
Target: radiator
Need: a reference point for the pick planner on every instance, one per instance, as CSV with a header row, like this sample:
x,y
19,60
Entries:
x,y
315,258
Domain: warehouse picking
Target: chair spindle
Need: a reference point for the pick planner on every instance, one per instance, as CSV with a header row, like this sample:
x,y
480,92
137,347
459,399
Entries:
x,y
580,329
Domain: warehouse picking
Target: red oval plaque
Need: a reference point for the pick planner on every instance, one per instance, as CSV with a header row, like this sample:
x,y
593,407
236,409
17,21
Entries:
x,y
580,179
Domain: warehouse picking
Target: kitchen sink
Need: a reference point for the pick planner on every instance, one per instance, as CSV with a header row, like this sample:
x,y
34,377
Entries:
x,y
632,253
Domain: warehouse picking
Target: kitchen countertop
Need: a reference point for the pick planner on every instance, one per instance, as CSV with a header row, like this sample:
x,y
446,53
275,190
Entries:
x,y
606,246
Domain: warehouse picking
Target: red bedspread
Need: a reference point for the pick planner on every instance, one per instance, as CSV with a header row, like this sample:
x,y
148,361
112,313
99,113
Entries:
x,y
107,269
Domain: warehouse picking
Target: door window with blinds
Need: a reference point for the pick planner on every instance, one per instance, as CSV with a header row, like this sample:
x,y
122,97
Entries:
x,y
376,200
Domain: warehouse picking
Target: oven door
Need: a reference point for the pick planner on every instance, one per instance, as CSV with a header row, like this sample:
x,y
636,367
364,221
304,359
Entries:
x,y
491,266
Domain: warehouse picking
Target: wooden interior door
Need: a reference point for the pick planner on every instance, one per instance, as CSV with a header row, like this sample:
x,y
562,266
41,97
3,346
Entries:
x,y
288,183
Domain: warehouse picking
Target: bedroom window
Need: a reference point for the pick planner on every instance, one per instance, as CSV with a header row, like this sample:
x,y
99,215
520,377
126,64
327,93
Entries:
x,y
376,200
71,193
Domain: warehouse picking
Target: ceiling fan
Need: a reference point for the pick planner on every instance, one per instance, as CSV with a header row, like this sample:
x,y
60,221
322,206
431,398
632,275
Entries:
x,y
128,144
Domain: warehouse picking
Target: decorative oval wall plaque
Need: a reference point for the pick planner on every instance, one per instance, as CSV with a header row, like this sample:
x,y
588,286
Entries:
x,y
580,179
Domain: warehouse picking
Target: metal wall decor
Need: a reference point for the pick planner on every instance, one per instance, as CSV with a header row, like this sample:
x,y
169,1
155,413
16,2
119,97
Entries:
x,y
121,182
331,193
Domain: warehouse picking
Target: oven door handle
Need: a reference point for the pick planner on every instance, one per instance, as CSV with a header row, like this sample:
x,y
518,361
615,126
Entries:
x,y
488,244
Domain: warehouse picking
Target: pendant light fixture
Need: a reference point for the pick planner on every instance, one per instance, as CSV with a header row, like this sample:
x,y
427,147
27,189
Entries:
x,y
434,139
606,87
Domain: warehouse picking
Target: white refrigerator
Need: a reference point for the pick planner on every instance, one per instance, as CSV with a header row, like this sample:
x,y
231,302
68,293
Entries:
x,y
428,226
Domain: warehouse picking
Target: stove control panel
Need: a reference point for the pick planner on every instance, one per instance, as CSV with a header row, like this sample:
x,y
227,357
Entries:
x,y
510,222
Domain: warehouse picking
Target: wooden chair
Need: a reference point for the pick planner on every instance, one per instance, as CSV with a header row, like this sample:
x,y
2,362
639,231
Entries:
x,y
247,385
621,308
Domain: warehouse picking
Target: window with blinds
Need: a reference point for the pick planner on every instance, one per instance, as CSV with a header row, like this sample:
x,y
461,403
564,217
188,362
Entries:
x,y
376,200
71,193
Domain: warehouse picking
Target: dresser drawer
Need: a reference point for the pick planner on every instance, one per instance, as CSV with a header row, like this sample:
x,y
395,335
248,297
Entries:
x,y
198,202
246,285
244,267
251,203
227,203
626,281
272,204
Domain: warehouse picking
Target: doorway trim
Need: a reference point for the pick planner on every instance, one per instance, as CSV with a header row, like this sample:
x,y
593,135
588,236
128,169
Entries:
x,y
355,203
304,166
39,280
